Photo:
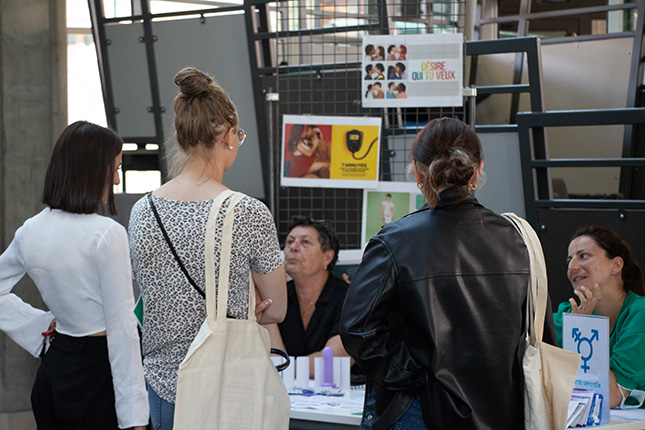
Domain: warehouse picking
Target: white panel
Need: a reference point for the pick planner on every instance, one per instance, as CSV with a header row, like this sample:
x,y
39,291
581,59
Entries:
x,y
587,75
576,76
131,86
502,191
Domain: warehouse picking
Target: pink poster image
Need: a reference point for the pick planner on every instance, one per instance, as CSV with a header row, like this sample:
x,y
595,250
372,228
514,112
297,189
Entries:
x,y
307,151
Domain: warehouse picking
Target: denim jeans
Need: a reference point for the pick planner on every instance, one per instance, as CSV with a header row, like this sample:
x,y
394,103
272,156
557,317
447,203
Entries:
x,y
162,413
412,419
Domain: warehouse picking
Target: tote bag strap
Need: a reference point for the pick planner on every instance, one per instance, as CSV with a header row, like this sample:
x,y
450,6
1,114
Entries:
x,y
251,314
219,312
537,293
209,250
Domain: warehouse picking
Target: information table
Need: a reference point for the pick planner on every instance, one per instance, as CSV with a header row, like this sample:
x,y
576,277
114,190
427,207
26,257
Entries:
x,y
345,413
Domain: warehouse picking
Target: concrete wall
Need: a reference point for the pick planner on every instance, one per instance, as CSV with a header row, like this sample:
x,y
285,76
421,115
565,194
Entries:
x,y
33,112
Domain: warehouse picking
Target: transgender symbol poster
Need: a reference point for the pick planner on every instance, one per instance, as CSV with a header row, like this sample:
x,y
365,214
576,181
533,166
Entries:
x,y
420,70
330,151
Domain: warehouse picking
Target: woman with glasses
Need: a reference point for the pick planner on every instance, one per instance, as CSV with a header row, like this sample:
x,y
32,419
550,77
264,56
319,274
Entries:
x,y
208,137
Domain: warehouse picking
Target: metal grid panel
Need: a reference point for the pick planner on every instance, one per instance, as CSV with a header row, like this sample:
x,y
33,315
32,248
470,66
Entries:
x,y
316,50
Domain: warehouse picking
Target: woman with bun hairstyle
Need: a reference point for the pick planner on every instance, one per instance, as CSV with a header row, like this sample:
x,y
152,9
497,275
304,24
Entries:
x,y
434,315
608,282
208,134
91,375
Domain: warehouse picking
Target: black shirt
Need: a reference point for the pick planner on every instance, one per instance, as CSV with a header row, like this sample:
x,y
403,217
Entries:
x,y
324,321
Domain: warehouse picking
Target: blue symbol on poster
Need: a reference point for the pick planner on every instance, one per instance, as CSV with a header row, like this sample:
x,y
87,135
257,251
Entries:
x,y
586,344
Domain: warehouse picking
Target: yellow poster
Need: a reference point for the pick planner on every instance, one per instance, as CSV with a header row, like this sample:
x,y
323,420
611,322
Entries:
x,y
354,152
330,151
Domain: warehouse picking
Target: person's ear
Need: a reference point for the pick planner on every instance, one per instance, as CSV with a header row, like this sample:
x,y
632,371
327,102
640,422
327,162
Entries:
x,y
417,175
329,256
617,265
227,137
478,172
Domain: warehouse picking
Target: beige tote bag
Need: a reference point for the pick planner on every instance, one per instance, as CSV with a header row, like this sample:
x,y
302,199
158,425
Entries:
x,y
549,371
227,380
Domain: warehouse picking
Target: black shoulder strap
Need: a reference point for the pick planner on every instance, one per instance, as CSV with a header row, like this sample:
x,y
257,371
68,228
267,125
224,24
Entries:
x,y
172,248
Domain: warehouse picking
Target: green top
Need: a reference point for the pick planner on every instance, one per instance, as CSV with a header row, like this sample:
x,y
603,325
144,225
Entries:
x,y
626,341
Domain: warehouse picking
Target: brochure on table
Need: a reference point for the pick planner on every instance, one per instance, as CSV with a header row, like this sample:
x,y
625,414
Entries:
x,y
588,335
330,151
420,70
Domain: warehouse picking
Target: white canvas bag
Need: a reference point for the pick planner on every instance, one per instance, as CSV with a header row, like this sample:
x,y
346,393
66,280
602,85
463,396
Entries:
x,y
227,380
549,371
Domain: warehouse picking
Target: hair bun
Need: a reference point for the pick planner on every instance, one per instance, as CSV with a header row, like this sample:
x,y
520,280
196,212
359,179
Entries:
x,y
193,82
461,165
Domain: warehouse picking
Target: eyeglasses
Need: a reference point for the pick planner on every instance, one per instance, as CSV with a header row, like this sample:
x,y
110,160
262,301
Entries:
x,y
241,136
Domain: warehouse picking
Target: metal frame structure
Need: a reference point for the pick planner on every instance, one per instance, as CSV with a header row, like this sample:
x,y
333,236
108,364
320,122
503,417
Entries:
x,y
530,46
634,138
285,89
534,160
267,77
142,158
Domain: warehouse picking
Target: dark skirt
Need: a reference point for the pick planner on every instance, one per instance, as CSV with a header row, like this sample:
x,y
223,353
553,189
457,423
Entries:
x,y
73,388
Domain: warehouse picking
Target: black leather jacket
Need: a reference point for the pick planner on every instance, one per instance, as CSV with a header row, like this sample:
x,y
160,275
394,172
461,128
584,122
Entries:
x,y
436,310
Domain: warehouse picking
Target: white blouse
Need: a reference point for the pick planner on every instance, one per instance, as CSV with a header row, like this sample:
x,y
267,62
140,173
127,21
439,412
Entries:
x,y
81,266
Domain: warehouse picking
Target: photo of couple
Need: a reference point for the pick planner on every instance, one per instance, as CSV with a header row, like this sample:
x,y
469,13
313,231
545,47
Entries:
x,y
394,91
396,53
307,151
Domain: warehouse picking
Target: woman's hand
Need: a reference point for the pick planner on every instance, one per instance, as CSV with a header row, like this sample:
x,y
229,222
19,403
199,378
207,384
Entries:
x,y
261,306
588,300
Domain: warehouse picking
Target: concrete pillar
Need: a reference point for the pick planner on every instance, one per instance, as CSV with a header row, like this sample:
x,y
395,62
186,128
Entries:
x,y
33,112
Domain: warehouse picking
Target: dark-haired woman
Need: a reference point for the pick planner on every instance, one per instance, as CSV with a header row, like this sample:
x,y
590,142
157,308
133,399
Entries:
x,y
91,375
434,315
209,135
608,282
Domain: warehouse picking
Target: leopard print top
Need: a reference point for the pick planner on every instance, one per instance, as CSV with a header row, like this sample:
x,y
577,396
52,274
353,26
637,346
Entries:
x,y
173,310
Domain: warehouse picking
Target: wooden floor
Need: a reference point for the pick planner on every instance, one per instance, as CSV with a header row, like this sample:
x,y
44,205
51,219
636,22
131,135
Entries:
x,y
17,421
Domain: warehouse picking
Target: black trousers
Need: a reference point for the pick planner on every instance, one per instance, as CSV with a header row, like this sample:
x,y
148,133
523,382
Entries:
x,y
73,388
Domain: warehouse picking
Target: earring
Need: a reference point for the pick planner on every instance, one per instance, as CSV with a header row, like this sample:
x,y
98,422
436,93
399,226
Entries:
x,y
325,268
419,186
230,147
473,187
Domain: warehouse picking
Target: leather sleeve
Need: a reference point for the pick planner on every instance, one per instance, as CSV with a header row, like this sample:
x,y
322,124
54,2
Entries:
x,y
364,327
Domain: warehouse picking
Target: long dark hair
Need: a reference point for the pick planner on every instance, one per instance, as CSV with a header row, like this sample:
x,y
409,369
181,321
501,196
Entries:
x,y
81,169
615,246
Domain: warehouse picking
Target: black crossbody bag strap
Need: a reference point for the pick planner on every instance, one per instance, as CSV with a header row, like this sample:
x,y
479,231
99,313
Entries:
x,y
172,248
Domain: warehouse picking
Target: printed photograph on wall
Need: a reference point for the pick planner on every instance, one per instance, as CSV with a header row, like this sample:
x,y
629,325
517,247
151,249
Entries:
x,y
415,71
331,152
386,204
